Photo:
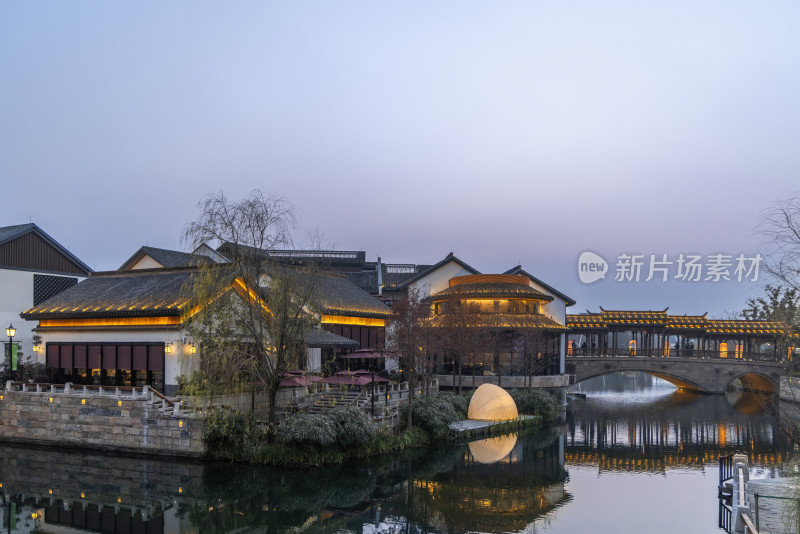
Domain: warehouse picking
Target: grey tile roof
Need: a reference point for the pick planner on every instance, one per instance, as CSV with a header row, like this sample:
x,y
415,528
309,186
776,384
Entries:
x,y
135,293
337,295
10,232
166,257
318,338
148,292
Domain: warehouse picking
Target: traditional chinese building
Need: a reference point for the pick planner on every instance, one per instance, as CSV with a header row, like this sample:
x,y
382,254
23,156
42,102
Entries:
x,y
128,328
657,333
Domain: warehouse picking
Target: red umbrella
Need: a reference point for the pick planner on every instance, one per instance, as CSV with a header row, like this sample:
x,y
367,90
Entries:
x,y
353,378
294,380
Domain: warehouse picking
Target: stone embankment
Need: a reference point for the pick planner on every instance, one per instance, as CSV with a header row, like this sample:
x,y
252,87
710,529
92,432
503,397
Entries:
x,y
130,420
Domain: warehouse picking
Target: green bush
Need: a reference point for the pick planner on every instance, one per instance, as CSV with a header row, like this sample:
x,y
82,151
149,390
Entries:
x,y
353,425
229,433
459,402
308,429
536,402
434,413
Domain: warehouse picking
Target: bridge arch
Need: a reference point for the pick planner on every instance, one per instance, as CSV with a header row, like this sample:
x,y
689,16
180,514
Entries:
x,y
677,381
755,382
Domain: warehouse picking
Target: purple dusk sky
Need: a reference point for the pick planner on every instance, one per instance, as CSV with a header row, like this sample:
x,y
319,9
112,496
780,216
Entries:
x,y
507,132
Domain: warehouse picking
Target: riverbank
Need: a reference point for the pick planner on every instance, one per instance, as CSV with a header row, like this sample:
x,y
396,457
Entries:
x,y
384,442
346,433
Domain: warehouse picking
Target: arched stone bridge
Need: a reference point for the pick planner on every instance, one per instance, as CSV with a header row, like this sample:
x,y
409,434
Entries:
x,y
708,375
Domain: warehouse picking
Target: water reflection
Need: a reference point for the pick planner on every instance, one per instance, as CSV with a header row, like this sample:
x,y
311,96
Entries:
x,y
674,428
500,483
508,484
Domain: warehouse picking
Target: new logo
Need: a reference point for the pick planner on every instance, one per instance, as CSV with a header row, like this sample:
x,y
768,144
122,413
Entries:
x,y
591,267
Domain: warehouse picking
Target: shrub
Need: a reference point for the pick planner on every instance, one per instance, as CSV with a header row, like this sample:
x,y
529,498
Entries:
x,y
308,429
459,402
536,402
229,433
434,413
353,425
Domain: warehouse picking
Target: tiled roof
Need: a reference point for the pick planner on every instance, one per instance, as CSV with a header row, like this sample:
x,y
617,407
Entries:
x,y
339,296
695,323
119,293
633,317
752,328
489,291
147,292
10,232
508,320
318,338
585,320
687,322
167,258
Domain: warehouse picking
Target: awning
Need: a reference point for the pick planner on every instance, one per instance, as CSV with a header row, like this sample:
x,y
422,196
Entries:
x,y
322,339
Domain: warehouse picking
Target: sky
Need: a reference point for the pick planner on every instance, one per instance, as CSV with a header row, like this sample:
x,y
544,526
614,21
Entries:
x,y
506,132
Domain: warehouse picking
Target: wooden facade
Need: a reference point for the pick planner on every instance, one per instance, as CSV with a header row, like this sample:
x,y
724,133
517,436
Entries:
x,y
31,251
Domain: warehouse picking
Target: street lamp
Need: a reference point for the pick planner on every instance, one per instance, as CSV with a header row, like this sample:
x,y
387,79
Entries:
x,y
10,331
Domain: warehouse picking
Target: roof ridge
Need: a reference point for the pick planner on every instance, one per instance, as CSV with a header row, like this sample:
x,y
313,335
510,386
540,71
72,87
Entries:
x,y
153,270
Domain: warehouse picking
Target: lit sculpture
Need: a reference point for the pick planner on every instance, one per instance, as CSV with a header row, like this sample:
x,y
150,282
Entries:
x,y
492,403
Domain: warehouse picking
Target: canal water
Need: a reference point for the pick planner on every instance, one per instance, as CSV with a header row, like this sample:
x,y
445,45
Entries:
x,y
634,456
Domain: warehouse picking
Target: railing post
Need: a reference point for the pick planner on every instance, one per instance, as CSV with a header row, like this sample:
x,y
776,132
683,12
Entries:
x,y
755,496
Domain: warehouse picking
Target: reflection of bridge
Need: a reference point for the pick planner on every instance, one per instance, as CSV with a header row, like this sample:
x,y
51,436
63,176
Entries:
x,y
705,374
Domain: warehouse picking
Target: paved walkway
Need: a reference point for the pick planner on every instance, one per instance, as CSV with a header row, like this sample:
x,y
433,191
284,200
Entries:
x,y
775,515
480,427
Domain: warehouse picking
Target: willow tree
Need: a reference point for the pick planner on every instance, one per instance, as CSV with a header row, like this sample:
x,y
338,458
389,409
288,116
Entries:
x,y
780,226
249,317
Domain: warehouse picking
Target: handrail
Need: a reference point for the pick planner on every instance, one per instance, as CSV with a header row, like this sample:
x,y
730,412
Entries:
x,y
354,402
671,354
162,397
725,468
747,521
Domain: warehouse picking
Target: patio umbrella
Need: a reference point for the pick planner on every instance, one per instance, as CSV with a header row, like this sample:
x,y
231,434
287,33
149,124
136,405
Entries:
x,y
366,354
299,380
353,378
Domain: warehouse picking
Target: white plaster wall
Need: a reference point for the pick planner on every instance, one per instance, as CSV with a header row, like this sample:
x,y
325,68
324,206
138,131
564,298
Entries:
x,y
439,279
314,359
16,296
557,309
146,263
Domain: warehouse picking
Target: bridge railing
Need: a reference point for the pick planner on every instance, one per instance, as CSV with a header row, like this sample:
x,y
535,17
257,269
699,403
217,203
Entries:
x,y
672,353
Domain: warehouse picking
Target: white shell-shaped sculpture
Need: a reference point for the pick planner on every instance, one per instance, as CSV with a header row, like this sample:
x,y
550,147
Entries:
x,y
492,403
492,450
